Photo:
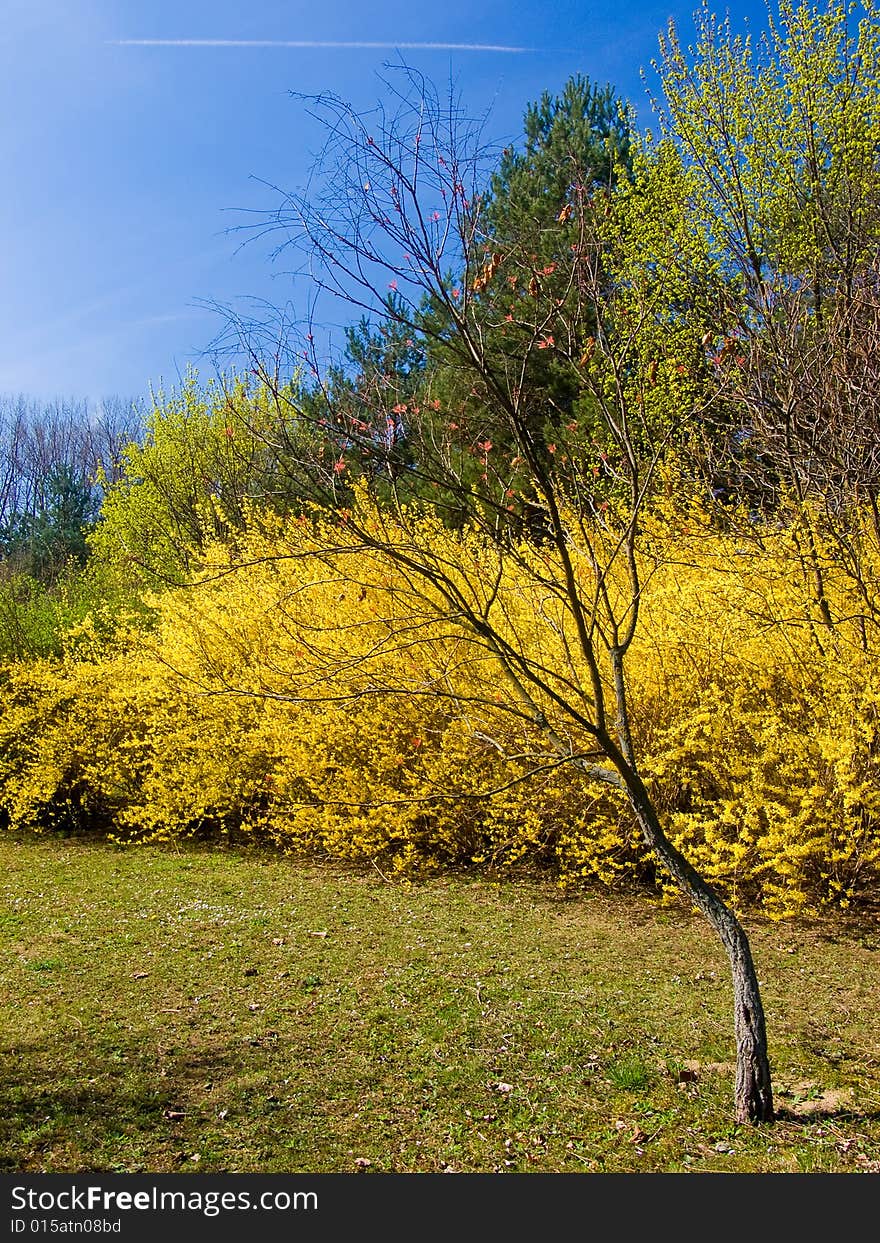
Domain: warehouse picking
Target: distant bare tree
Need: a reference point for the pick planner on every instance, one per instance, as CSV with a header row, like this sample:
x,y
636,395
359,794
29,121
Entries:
x,y
53,457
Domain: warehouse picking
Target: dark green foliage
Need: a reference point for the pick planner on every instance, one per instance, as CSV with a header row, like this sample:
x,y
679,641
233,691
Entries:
x,y
369,395
574,140
576,145
42,542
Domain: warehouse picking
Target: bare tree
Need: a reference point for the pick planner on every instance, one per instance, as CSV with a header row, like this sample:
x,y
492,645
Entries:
x,y
55,457
115,423
39,436
398,209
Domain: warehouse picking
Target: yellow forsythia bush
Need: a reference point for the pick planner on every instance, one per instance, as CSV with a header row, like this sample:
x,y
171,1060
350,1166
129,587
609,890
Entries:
x,y
308,692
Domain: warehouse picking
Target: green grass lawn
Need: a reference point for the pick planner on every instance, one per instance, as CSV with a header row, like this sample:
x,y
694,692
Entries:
x,y
211,1010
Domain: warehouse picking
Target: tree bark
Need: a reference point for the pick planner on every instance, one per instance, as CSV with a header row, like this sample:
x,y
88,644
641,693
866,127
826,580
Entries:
x,y
753,1092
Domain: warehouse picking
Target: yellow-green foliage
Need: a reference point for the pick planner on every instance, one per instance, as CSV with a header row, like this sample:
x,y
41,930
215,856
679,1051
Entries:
x,y
781,133
209,449
318,700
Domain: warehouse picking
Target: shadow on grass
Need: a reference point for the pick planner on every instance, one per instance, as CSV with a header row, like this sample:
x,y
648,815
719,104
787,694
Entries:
x,y
85,1117
794,1117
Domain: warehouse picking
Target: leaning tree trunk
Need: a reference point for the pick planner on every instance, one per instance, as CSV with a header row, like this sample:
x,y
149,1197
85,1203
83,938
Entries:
x,y
754,1093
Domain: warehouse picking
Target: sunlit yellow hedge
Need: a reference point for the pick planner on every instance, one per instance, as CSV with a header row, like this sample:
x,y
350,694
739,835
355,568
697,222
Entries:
x,y
322,703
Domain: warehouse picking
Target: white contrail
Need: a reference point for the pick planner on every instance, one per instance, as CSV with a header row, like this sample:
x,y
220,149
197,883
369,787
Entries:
x,y
315,43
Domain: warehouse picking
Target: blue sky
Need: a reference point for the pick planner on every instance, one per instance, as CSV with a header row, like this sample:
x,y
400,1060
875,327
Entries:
x,y
126,164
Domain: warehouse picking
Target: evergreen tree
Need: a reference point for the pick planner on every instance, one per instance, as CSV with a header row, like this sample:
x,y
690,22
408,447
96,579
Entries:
x,y
576,146
41,543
